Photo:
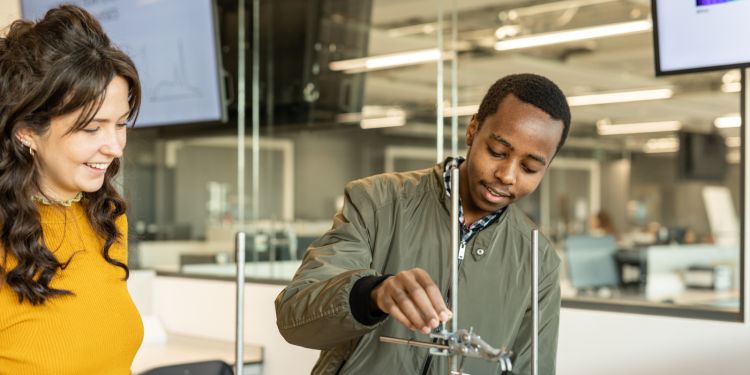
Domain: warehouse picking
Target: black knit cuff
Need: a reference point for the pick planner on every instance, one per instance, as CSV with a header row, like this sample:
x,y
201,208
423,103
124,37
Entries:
x,y
363,309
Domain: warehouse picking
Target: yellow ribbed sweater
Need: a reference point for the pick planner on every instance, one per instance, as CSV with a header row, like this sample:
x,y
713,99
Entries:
x,y
96,331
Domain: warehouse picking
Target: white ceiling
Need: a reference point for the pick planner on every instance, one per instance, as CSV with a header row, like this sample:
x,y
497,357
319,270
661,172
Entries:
x,y
610,64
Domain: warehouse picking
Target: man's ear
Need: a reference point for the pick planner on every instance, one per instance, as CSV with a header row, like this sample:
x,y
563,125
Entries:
x,y
471,130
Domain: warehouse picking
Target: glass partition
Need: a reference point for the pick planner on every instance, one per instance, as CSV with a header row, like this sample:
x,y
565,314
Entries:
x,y
642,203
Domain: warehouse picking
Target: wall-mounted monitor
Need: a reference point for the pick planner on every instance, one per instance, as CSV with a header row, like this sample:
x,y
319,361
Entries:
x,y
700,35
174,45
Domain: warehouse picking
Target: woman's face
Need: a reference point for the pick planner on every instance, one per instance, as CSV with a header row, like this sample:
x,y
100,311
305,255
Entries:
x,y
75,162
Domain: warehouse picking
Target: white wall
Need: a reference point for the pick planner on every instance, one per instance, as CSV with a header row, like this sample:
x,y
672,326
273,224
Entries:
x,y
206,308
591,342
10,10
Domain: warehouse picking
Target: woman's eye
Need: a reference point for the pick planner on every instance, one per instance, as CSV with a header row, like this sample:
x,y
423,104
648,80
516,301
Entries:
x,y
90,130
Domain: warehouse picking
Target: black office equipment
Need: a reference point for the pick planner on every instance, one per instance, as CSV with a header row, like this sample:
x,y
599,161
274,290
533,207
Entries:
x,y
197,368
298,39
702,157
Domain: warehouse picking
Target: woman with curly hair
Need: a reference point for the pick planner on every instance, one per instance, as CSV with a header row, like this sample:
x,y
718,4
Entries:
x,y
66,97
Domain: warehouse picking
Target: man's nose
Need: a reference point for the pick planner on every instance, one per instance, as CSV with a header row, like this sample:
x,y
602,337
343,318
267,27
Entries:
x,y
506,172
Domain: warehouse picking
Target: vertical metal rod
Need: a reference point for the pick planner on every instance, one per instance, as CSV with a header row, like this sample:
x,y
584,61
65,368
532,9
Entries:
x,y
256,111
455,239
239,340
241,111
535,301
454,80
439,117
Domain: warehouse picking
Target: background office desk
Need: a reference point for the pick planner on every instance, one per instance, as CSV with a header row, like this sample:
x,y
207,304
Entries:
x,y
185,349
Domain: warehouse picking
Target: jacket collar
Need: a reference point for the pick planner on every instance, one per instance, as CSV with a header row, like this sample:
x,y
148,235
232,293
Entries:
x,y
439,185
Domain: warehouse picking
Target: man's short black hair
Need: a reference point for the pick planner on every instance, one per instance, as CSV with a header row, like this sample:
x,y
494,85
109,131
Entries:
x,y
529,88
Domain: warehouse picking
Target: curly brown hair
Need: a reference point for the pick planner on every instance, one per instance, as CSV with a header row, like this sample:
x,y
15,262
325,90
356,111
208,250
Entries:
x,y
55,66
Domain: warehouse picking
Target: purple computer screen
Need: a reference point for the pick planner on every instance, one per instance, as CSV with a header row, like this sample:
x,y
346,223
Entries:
x,y
710,2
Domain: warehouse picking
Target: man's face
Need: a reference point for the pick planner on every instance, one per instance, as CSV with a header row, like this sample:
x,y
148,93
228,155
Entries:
x,y
507,156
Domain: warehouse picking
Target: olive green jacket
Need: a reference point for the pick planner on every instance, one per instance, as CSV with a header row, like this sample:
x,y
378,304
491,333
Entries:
x,y
397,221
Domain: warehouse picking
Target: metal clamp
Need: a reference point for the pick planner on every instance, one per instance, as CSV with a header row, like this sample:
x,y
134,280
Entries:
x,y
461,344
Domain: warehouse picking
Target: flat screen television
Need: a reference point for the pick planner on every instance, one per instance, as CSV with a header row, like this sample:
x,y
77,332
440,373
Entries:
x,y
174,45
297,41
700,35
702,157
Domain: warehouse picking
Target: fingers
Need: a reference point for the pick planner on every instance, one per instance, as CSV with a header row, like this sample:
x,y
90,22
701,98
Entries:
x,y
433,294
413,299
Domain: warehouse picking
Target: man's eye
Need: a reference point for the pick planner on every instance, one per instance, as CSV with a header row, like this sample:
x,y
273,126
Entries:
x,y
529,170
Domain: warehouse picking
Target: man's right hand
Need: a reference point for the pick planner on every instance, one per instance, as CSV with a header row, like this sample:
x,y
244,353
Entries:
x,y
412,298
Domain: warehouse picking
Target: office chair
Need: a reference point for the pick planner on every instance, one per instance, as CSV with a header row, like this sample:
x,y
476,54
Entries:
x,y
196,368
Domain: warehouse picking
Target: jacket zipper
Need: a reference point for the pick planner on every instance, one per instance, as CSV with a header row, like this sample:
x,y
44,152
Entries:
x,y
461,254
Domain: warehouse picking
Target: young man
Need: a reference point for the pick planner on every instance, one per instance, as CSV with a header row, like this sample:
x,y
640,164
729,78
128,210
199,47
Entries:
x,y
383,269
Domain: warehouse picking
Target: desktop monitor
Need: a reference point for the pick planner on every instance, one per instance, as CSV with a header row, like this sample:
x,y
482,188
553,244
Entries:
x,y
700,35
591,261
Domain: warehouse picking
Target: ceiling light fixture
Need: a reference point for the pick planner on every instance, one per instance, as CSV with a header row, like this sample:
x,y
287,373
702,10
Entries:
x,y
733,141
619,97
383,122
373,117
728,121
565,36
661,145
583,100
388,61
639,127
463,110
731,87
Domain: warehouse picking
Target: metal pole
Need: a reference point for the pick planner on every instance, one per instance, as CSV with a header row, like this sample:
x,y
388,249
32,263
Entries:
x,y
256,112
239,343
241,112
454,80
455,239
440,114
535,301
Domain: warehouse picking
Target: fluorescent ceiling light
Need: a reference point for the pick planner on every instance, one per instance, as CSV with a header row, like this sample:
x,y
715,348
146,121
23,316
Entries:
x,y
582,100
661,145
388,61
373,117
733,156
383,122
729,121
637,128
619,97
557,6
462,110
573,35
423,28
733,141
731,87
